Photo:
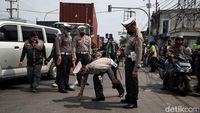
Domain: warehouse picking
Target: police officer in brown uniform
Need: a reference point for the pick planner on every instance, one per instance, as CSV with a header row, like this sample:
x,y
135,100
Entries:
x,y
82,48
98,66
65,54
133,52
35,51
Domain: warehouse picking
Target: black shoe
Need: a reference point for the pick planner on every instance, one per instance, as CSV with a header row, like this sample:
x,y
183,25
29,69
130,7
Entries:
x,y
70,89
130,106
62,91
98,99
164,88
34,90
124,101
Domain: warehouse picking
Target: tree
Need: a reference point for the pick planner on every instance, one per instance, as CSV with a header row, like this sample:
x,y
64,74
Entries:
x,y
123,40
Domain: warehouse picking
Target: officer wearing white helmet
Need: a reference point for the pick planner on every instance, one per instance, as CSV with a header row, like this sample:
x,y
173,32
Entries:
x,y
82,48
65,53
133,52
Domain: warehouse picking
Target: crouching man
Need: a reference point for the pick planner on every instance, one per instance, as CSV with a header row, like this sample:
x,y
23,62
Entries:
x,y
98,67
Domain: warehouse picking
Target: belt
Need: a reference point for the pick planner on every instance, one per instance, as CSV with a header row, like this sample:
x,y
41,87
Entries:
x,y
65,53
82,52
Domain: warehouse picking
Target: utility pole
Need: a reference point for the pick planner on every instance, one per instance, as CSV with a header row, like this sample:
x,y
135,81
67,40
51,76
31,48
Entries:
x,y
157,20
149,18
11,7
18,10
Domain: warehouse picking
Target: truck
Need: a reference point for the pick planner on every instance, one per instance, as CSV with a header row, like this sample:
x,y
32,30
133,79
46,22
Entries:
x,y
79,14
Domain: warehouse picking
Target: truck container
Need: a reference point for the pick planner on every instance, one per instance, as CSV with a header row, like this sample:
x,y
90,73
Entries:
x,y
80,13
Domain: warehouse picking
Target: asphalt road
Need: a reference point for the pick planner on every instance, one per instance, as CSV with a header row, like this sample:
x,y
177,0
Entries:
x,y
15,97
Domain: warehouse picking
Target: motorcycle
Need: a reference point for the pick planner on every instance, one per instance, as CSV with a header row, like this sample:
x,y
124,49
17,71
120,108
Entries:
x,y
175,75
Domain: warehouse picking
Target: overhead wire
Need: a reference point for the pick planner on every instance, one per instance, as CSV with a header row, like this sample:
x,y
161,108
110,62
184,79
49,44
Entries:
x,y
168,4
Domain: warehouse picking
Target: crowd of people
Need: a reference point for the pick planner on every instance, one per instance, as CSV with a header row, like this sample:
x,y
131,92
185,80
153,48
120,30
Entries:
x,y
67,52
170,51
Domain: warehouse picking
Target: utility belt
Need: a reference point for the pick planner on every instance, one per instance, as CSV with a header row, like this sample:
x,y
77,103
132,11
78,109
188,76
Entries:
x,y
132,56
65,53
82,53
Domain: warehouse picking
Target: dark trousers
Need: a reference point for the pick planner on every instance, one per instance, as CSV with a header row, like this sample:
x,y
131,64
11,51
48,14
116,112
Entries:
x,y
153,61
131,82
63,71
114,58
197,72
34,75
84,59
98,88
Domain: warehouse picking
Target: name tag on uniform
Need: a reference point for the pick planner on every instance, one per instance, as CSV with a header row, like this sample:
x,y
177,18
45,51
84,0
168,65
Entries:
x,y
114,64
133,56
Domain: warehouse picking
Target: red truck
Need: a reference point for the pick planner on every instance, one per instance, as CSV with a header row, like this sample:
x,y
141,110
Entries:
x,y
80,13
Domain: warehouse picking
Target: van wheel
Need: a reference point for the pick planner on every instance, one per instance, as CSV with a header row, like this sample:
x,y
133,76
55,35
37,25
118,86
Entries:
x,y
53,71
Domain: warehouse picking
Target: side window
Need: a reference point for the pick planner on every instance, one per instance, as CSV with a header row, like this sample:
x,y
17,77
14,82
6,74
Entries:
x,y
165,26
51,34
8,33
26,31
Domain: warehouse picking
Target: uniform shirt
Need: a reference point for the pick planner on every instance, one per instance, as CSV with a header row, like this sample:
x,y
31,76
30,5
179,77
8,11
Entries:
x,y
82,44
135,44
100,65
63,43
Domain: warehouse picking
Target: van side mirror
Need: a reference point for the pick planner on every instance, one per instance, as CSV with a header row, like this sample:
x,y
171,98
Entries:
x,y
2,36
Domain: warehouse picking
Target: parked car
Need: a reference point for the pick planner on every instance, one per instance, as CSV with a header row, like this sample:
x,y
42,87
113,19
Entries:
x,y
12,38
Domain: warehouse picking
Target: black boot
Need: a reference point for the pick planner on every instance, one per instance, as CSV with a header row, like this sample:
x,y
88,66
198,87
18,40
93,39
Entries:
x,y
131,105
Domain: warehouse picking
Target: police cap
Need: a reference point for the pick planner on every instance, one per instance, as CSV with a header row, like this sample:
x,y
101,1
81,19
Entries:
x,y
128,22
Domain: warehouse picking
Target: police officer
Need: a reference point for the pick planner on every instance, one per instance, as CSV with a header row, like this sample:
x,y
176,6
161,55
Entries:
x,y
133,52
97,80
34,50
82,47
98,66
65,55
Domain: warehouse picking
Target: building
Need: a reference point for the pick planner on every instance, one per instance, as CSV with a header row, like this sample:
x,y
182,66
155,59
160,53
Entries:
x,y
167,24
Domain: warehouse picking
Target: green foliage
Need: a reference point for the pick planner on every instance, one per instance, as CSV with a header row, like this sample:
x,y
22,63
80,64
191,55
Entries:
x,y
123,40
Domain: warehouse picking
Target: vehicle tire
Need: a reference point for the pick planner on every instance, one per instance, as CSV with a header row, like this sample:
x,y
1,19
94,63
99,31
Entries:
x,y
53,71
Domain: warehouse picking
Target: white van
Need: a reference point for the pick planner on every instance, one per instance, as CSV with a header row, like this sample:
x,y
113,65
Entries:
x,y
12,37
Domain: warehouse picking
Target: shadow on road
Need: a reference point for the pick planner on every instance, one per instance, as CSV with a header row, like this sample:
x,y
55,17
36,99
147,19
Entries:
x,y
10,83
157,89
85,102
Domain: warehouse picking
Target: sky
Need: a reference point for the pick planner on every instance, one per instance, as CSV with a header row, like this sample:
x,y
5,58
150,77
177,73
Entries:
x,y
108,22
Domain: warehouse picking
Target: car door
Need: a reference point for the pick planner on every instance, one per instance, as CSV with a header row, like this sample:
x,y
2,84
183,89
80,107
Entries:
x,y
10,50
